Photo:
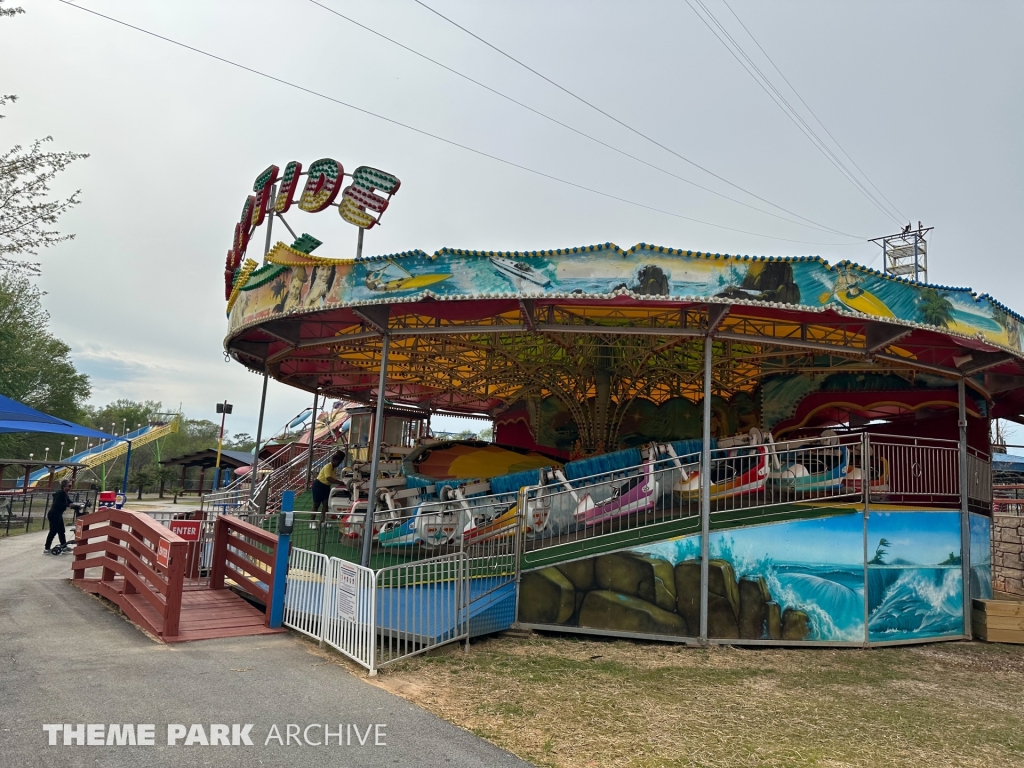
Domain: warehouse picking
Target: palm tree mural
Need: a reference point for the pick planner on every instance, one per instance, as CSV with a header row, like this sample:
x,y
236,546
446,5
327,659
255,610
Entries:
x,y
880,552
935,307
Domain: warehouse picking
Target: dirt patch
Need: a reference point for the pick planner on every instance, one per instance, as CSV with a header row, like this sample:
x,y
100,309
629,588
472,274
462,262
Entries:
x,y
574,702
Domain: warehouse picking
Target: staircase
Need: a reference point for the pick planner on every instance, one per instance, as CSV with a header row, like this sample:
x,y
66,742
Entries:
x,y
287,473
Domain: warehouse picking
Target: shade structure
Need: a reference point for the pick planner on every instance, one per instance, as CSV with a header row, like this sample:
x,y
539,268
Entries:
x,y
18,417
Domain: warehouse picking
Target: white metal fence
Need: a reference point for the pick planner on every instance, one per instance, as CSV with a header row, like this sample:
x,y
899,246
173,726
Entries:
x,y
378,618
349,612
419,606
308,575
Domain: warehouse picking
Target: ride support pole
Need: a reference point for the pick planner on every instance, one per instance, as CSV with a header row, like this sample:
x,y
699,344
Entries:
x,y
705,489
259,436
266,371
965,515
312,434
127,464
378,436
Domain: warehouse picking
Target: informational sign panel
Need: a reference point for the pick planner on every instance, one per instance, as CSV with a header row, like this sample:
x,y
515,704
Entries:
x,y
187,529
348,577
79,529
163,553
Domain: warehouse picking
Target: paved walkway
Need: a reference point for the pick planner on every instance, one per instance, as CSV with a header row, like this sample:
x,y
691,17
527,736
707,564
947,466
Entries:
x,y
67,658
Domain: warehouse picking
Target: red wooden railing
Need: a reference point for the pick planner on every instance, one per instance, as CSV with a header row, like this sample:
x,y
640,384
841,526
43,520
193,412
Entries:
x,y
138,557
245,554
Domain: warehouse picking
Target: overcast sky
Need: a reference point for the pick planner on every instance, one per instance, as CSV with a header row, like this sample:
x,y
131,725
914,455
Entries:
x,y
926,97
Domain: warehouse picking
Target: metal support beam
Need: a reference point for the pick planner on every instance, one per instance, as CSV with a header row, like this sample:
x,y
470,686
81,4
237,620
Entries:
x,y
378,436
287,331
376,316
253,472
965,515
880,335
716,314
982,361
127,464
526,308
312,434
705,489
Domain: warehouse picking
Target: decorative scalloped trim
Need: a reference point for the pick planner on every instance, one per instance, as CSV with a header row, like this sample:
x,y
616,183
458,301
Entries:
x,y
241,278
283,255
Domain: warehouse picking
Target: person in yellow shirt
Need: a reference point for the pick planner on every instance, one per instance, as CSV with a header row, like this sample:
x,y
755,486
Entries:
x,y
328,476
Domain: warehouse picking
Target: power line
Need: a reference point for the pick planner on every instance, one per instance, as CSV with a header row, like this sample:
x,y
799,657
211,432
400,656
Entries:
x,y
609,116
815,116
431,135
769,88
819,227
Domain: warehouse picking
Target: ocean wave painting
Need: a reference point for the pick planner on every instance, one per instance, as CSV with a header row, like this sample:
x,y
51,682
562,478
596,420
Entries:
x,y
789,557
917,603
912,581
981,557
915,579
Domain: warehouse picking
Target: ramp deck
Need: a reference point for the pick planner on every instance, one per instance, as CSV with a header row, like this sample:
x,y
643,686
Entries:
x,y
206,614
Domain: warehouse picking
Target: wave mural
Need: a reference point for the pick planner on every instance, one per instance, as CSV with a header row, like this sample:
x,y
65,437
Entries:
x,y
915,579
981,557
769,582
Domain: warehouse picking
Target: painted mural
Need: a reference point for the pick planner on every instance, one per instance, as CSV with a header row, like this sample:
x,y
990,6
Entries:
x,y
296,281
915,580
552,426
780,396
769,582
981,557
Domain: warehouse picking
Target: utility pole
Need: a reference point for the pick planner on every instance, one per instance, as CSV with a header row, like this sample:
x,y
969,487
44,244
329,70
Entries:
x,y
223,409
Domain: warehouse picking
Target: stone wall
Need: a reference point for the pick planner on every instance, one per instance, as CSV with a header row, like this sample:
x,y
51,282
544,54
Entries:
x,y
1008,554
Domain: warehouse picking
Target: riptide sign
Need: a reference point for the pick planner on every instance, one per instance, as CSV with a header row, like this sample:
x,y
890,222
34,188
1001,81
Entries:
x,y
369,193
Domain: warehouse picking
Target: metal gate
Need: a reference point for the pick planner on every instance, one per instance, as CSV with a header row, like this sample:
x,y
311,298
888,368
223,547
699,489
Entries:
x,y
378,618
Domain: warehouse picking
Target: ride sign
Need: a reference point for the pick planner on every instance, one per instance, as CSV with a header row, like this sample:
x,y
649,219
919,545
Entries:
x,y
186,529
163,553
370,192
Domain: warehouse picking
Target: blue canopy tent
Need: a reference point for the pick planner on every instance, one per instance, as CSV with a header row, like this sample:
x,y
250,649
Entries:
x,y
18,417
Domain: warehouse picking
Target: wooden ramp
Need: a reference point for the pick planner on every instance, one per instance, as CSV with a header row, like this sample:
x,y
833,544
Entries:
x,y
206,614
139,566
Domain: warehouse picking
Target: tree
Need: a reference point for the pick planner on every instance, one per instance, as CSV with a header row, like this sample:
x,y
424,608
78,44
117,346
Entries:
x,y
140,477
35,366
935,307
27,211
240,441
124,415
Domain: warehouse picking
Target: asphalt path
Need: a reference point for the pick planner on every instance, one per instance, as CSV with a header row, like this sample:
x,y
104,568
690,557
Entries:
x,y
68,658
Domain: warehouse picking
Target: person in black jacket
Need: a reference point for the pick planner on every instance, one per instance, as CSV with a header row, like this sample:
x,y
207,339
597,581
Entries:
x,y
61,501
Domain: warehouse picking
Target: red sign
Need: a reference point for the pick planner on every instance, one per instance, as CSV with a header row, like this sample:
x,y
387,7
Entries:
x,y
163,553
187,529
79,529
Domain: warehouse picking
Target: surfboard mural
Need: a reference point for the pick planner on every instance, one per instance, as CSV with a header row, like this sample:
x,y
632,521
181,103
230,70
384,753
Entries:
x,y
295,281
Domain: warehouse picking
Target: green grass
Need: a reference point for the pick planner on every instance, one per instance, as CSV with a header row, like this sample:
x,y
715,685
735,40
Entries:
x,y
578,702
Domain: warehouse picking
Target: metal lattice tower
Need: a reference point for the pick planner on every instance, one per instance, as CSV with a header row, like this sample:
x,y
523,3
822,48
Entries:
x,y
906,254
